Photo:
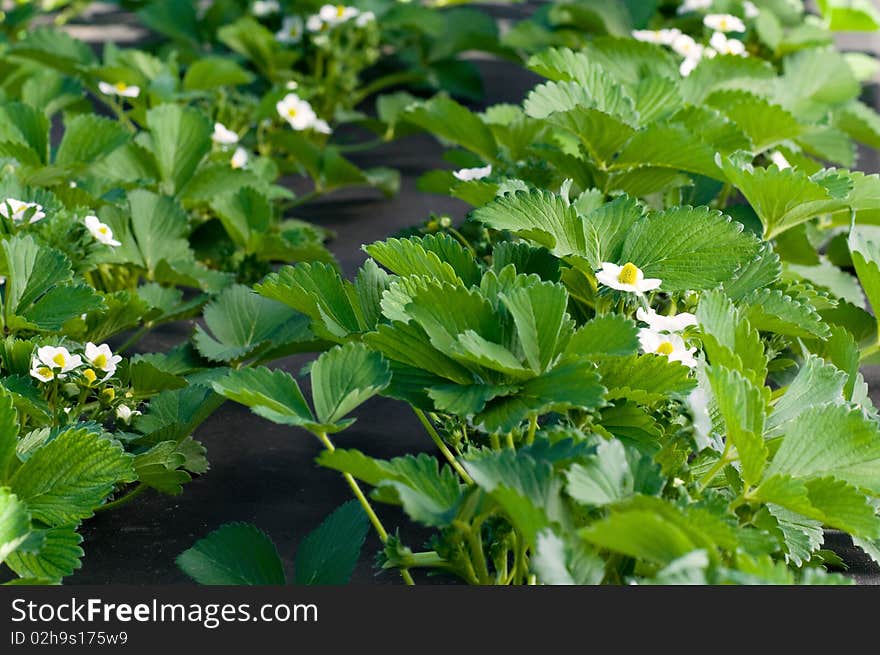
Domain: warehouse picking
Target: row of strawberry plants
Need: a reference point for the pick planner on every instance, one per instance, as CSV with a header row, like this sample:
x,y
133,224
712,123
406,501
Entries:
x,y
141,187
639,357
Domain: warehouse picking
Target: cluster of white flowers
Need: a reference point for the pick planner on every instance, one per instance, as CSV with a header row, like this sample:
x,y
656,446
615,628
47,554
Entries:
x,y
101,231
119,89
300,115
51,362
328,16
262,8
223,137
18,210
468,174
694,52
663,335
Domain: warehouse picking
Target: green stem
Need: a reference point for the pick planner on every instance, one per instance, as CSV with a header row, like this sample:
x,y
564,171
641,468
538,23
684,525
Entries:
x,y
533,427
133,339
362,499
723,461
437,439
123,500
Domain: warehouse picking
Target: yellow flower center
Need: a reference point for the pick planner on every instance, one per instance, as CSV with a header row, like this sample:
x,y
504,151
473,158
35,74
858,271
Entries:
x,y
89,375
45,371
103,229
108,394
722,24
100,360
340,10
628,274
59,359
665,348
121,86
291,113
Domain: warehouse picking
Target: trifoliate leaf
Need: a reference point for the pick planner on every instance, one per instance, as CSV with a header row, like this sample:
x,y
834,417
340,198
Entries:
x,y
65,480
57,556
240,322
234,554
345,377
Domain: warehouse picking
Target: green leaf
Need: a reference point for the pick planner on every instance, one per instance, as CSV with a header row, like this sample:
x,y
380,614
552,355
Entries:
x,y
556,562
9,427
57,557
344,378
15,523
543,217
866,260
26,126
772,310
88,138
40,289
609,334
646,379
603,479
539,314
729,339
688,248
318,291
160,468
328,554
274,395
641,534
239,323
410,256
569,385
741,405
817,383
831,441
159,227
65,480
212,72
180,137
450,121
234,554
781,199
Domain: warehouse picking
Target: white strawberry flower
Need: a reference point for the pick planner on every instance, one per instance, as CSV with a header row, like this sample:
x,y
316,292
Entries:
x,y
291,30
468,174
694,5
662,37
724,23
659,323
119,89
320,125
262,8
337,14
628,277
314,24
41,372
688,65
102,358
365,19
296,111
727,46
671,346
779,159
126,413
101,231
698,403
239,158
58,358
292,85
223,135
687,47
17,210
750,10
